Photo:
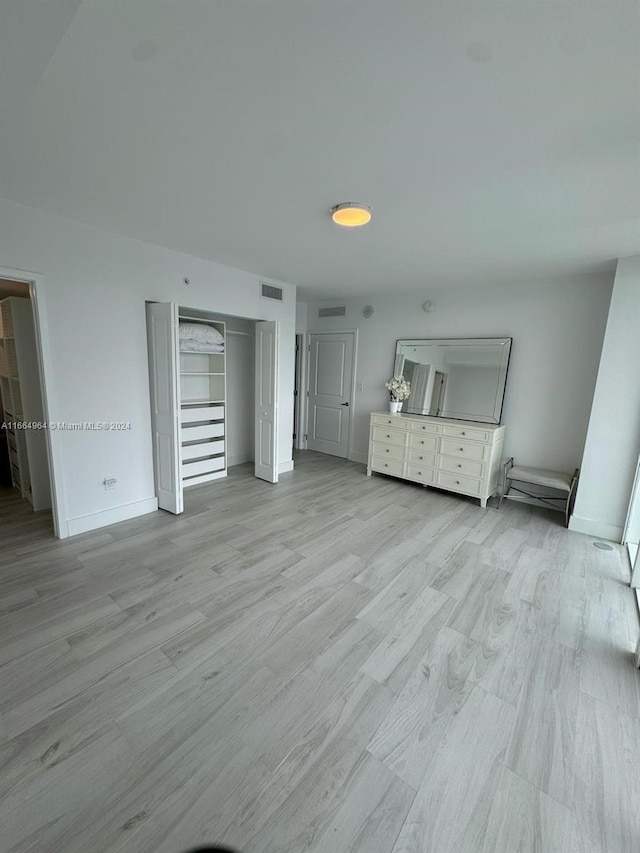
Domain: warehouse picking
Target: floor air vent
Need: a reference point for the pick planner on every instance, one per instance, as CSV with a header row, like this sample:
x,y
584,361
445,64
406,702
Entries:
x,y
268,291
338,311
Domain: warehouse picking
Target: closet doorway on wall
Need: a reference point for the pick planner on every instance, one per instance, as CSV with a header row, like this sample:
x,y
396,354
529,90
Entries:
x,y
25,483
213,398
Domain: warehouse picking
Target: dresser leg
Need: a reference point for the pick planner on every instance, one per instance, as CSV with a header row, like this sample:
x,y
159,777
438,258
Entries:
x,y
368,472
483,503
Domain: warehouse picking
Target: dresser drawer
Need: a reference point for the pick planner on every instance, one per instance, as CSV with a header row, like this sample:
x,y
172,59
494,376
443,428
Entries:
x,y
458,483
392,421
461,466
390,451
420,474
388,436
416,426
422,457
464,449
465,432
419,441
387,466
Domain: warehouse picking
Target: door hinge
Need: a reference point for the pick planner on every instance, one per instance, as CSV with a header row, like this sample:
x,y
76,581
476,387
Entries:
x,y
309,348
306,436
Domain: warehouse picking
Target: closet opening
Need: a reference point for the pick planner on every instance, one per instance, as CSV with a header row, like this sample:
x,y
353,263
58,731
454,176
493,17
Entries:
x,y
25,484
213,398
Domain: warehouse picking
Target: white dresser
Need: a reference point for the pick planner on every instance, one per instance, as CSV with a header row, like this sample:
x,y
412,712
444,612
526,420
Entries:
x,y
459,456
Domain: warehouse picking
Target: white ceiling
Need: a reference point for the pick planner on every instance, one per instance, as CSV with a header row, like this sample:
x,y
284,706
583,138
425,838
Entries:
x,y
495,140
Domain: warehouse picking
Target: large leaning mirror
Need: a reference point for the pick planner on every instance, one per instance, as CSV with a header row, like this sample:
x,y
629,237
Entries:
x,y
459,378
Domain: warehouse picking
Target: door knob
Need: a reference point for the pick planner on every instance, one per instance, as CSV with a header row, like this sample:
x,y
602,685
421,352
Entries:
x,y
344,404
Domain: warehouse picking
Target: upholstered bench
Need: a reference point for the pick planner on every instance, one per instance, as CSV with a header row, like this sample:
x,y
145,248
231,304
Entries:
x,y
559,481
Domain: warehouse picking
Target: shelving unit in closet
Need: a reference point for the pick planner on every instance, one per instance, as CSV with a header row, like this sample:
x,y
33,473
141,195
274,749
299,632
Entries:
x,y
202,400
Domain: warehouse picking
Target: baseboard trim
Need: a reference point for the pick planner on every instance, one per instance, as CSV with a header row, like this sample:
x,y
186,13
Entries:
x,y
362,458
285,467
239,459
85,523
592,527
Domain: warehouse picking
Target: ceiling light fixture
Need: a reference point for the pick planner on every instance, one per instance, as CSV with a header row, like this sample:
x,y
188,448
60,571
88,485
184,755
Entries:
x,y
351,214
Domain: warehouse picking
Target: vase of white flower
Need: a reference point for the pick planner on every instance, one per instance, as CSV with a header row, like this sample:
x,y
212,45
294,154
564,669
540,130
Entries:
x,y
399,391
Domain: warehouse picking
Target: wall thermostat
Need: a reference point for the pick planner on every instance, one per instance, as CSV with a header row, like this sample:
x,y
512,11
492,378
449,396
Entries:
x,y
427,306
367,311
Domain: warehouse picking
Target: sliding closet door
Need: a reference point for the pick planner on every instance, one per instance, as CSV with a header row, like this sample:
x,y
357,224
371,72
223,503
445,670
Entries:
x,y
266,413
162,333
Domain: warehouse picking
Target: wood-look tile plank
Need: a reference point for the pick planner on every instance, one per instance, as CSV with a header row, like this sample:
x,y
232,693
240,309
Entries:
x,y
512,815
421,716
608,661
607,778
548,705
450,791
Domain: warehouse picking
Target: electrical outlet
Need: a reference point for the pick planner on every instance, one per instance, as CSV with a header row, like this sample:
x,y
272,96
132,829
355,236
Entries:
x,y
109,483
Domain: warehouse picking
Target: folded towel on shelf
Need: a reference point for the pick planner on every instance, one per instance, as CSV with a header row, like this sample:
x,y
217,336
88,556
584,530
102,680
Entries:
x,y
201,332
199,337
187,345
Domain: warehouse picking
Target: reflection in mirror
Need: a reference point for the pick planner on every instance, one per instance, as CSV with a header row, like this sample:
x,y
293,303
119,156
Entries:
x,y
459,378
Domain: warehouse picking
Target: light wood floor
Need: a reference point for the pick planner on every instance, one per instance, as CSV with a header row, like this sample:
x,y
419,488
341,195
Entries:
x,y
333,664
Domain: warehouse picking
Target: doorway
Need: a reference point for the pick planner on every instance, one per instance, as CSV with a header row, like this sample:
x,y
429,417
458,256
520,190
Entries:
x,y
331,382
439,391
25,470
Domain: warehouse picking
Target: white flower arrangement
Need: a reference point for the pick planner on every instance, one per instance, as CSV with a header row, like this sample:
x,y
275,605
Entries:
x,y
399,388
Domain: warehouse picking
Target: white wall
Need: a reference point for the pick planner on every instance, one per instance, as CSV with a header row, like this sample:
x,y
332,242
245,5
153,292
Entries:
x,y
613,440
95,287
557,329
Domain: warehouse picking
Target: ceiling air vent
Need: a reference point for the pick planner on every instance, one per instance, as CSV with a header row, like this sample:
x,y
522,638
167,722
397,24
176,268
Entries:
x,y
268,291
337,311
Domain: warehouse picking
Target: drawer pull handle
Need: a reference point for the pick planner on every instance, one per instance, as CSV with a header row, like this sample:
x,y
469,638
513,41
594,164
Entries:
x,y
462,450
421,458
385,465
459,465
463,433
388,436
387,450
419,473
422,442
457,482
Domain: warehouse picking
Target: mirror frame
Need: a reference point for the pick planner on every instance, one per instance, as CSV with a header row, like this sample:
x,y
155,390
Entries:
x,y
503,368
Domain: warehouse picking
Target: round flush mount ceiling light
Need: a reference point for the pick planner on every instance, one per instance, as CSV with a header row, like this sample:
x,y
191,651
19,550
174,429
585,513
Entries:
x,y
351,214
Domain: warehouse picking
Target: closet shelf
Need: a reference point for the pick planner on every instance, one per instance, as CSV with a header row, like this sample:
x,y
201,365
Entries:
x,y
200,373
192,401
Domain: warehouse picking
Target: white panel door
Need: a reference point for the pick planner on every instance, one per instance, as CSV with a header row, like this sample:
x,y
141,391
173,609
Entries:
x,y
330,378
162,336
266,413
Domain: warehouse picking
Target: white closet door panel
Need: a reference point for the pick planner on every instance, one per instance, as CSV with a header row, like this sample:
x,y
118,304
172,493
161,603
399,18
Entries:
x,y
162,331
266,412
